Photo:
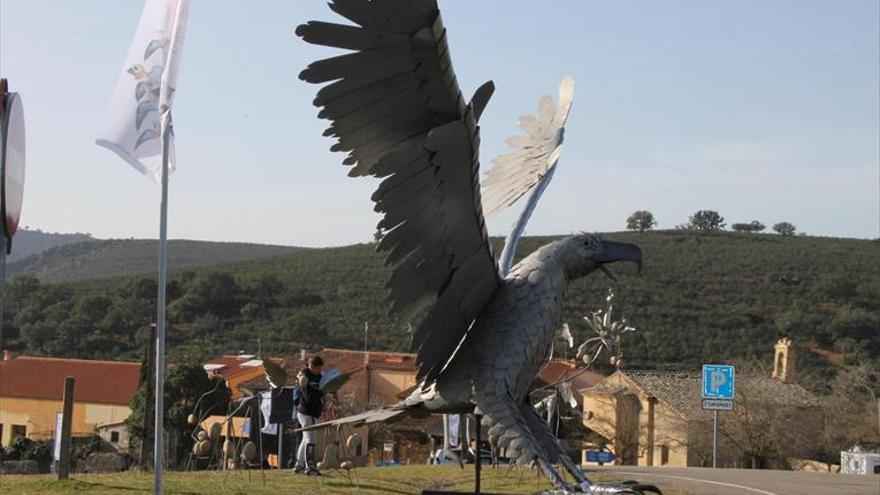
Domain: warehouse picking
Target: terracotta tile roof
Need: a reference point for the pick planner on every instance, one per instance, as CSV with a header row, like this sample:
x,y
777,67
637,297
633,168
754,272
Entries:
x,y
230,366
681,390
107,382
348,361
558,368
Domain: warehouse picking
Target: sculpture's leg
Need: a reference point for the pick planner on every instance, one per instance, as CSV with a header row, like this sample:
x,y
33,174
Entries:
x,y
541,431
554,476
509,428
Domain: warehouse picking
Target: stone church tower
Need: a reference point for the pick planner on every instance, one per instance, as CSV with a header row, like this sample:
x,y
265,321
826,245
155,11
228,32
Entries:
x,y
783,361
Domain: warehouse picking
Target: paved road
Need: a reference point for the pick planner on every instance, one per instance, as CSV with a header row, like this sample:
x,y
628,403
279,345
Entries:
x,y
705,481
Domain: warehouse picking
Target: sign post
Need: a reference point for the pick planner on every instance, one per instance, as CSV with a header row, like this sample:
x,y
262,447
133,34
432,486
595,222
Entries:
x,y
719,390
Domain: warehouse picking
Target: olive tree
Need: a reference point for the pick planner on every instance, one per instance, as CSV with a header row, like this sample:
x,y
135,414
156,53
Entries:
x,y
784,229
753,226
706,221
641,220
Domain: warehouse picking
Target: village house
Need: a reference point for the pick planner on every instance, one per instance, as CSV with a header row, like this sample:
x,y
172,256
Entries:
x,y
655,418
375,379
31,390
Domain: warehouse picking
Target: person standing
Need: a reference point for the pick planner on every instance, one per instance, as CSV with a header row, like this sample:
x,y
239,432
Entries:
x,y
311,405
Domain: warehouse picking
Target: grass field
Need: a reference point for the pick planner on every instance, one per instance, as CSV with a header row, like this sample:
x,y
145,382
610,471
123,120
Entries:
x,y
393,480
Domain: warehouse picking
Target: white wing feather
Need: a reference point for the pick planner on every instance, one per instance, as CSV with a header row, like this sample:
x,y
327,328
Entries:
x,y
531,156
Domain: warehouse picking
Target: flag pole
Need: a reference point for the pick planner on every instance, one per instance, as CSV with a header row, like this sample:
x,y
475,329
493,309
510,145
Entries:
x,y
158,431
166,130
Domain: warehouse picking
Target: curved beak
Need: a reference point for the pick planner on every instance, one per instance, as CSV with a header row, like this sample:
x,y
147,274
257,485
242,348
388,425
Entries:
x,y
619,251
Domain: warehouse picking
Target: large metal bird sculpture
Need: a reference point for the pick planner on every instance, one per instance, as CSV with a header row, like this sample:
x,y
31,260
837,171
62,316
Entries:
x,y
396,108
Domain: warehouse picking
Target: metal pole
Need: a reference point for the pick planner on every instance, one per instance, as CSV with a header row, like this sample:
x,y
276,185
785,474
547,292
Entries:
x,y
66,419
148,400
158,430
280,442
166,130
445,437
715,438
477,463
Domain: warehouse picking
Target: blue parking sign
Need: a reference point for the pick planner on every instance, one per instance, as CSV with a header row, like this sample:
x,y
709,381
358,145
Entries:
x,y
718,381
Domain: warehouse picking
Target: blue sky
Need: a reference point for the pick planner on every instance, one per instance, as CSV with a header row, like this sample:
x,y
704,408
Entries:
x,y
765,110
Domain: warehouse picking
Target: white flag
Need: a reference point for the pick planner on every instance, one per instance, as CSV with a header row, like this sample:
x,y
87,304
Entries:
x,y
146,88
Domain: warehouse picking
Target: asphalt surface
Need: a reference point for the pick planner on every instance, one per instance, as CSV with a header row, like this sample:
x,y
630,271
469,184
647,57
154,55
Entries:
x,y
707,481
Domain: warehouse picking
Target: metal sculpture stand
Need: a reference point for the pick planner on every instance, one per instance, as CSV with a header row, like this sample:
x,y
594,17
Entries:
x,y
478,419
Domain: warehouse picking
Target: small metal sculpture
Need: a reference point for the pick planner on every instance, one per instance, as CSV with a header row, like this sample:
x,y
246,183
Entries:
x,y
398,112
608,334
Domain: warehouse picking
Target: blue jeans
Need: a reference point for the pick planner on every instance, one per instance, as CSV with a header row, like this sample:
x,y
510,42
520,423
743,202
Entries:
x,y
309,437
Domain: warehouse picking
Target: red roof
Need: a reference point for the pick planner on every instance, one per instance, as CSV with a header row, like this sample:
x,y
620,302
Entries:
x,y
558,368
107,382
350,361
230,366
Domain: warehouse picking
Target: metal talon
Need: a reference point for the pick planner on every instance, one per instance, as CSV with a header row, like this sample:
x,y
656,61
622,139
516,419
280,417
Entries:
x,y
608,489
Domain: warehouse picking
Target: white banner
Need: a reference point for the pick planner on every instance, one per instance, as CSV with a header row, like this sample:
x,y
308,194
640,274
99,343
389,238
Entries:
x,y
145,86
454,424
56,447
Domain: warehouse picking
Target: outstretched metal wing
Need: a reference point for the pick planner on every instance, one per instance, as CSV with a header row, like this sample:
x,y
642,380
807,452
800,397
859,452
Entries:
x,y
531,156
396,108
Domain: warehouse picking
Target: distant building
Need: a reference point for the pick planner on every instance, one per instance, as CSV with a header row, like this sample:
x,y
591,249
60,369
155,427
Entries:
x,y
860,459
382,378
655,418
31,390
376,377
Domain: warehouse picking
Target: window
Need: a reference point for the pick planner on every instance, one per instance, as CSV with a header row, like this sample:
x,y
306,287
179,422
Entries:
x,y
357,450
664,455
1,433
114,437
18,431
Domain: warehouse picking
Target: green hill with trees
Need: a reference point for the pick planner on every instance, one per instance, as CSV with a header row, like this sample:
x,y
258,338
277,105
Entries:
x,y
114,257
28,242
701,297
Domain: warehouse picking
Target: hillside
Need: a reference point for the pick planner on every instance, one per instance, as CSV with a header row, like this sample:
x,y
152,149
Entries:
x,y
30,242
699,298
110,258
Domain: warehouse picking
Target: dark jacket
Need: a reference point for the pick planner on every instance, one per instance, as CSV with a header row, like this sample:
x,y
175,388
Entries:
x,y
312,400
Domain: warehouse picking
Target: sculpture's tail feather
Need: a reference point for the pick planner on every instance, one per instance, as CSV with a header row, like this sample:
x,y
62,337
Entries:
x,y
381,415
509,429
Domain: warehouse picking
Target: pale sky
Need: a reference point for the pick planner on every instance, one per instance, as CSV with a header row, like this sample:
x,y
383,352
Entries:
x,y
763,109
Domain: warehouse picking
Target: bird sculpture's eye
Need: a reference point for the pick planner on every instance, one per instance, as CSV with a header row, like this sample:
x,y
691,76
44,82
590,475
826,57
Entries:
x,y
587,243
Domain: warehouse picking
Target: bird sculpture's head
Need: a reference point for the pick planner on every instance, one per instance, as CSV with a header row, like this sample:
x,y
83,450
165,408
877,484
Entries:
x,y
584,253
